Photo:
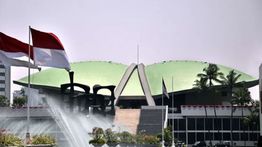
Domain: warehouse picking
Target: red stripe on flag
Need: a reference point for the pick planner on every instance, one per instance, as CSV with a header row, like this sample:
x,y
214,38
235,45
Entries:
x,y
12,45
46,40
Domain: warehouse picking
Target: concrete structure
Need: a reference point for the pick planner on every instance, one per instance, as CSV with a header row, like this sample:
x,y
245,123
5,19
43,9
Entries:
x,y
5,81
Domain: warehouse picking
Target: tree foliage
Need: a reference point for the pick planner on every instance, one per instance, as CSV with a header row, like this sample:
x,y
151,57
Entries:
x,y
3,101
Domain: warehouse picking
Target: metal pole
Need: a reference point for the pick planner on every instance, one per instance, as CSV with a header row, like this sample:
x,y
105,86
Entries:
x,y
137,60
163,141
28,94
259,143
173,119
260,98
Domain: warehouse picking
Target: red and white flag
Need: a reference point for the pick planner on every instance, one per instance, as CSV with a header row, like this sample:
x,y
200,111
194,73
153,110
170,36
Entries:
x,y
48,50
10,49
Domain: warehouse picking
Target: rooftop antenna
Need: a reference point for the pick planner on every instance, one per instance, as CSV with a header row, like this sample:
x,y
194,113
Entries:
x,y
137,56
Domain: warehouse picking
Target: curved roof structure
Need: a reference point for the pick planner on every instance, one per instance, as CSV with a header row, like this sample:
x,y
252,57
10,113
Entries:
x,y
109,73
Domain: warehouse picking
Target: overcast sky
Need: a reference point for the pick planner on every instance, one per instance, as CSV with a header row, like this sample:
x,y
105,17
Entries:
x,y
227,32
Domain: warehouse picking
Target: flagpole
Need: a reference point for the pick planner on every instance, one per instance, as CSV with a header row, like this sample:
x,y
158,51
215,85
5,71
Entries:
x,y
27,140
137,50
173,138
163,140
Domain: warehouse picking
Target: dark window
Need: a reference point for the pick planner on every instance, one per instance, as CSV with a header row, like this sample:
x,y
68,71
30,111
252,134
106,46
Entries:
x,y
200,124
200,136
226,136
243,126
175,124
217,124
235,136
244,136
191,124
2,66
176,135
209,136
226,124
182,137
2,81
224,93
2,74
209,124
253,136
217,136
182,124
235,124
2,89
191,138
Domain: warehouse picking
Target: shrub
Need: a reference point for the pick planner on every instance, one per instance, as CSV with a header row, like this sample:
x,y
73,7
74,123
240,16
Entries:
x,y
3,101
19,102
9,139
167,136
142,138
150,139
43,139
111,137
99,141
98,136
126,137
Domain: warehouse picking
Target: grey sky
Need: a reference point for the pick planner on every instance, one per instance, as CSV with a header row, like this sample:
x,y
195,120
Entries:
x,y
227,32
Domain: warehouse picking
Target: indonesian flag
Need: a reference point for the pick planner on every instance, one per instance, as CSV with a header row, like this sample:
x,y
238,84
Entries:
x,y
10,49
48,50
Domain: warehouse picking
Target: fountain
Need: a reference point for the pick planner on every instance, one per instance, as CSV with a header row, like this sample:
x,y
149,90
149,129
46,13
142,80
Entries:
x,y
71,116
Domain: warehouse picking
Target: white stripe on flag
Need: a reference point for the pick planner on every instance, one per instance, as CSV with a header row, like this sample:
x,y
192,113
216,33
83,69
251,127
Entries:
x,y
51,57
13,54
14,62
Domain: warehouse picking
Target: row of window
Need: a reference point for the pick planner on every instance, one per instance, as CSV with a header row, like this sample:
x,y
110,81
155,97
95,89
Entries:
x,y
201,136
212,124
2,81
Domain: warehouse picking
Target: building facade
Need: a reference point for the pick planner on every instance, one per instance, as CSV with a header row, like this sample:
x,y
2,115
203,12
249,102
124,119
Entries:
x,y
5,81
216,123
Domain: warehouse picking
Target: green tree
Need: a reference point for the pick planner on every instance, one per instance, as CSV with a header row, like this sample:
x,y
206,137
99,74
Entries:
x,y
230,81
241,97
252,120
211,74
201,84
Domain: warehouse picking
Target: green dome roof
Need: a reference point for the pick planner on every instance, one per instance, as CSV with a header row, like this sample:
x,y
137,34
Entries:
x,y
109,73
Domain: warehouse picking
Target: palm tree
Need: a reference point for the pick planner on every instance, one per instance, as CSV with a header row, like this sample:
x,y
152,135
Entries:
x,y
252,120
211,73
230,80
201,84
241,97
